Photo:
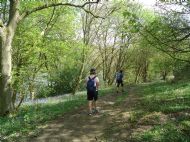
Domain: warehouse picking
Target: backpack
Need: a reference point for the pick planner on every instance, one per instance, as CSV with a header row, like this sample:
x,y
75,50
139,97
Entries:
x,y
90,84
119,76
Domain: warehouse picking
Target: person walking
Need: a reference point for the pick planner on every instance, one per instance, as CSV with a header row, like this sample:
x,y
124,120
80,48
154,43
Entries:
x,y
92,86
119,80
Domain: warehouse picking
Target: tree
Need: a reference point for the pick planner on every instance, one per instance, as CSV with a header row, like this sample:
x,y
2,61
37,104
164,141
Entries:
x,y
8,27
112,41
169,31
87,21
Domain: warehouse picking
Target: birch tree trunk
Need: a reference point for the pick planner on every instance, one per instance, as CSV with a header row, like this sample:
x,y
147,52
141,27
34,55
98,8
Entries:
x,y
6,38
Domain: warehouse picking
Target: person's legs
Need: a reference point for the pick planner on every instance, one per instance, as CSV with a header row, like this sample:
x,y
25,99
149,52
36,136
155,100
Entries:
x,y
119,83
95,101
122,86
118,86
90,100
95,105
90,106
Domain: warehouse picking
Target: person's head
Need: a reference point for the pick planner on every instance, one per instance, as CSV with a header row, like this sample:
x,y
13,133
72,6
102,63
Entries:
x,y
92,71
120,71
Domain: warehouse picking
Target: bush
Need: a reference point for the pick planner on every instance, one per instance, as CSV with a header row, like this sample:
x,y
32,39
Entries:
x,y
181,72
45,91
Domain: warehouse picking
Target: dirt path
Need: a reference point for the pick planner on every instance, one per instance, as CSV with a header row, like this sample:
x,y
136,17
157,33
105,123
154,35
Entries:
x,y
111,124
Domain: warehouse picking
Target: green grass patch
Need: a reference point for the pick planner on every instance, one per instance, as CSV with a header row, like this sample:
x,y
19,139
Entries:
x,y
30,117
121,98
171,104
165,97
166,133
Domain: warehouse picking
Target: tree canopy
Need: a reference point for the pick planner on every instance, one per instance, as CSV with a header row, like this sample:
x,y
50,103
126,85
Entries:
x,y
48,47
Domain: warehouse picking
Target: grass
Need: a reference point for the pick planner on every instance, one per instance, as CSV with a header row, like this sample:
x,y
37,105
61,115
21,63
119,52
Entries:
x,y
121,98
31,117
160,113
168,132
166,108
161,109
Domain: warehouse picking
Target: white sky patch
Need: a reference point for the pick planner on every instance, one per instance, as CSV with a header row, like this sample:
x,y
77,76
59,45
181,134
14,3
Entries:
x,y
157,6
151,4
147,3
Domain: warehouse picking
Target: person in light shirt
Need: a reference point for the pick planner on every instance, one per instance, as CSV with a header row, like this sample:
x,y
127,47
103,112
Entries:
x,y
92,86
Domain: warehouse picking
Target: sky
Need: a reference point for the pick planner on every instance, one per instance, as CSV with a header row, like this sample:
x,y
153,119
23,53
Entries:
x,y
147,3
151,5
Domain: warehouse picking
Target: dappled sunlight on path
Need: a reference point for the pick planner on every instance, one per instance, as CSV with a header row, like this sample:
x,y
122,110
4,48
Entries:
x,y
77,126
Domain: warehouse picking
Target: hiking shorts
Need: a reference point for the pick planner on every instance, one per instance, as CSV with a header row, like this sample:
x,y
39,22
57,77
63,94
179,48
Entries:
x,y
119,82
92,95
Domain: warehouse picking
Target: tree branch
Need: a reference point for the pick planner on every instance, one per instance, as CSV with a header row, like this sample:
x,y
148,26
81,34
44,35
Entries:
x,y
183,38
50,20
174,49
164,51
27,13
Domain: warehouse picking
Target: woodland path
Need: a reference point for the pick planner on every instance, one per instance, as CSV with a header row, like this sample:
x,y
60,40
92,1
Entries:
x,y
110,124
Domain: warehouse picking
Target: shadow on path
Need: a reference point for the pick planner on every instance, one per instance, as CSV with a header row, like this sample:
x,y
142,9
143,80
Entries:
x,y
111,123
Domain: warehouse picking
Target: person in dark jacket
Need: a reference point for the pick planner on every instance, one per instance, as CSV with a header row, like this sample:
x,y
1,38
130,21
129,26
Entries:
x,y
119,80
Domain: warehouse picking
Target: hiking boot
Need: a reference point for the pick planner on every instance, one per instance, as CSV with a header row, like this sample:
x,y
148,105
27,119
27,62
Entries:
x,y
90,113
95,111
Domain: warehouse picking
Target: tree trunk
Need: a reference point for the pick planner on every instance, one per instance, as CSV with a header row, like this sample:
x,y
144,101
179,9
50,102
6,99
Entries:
x,y
137,74
6,38
5,70
145,72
